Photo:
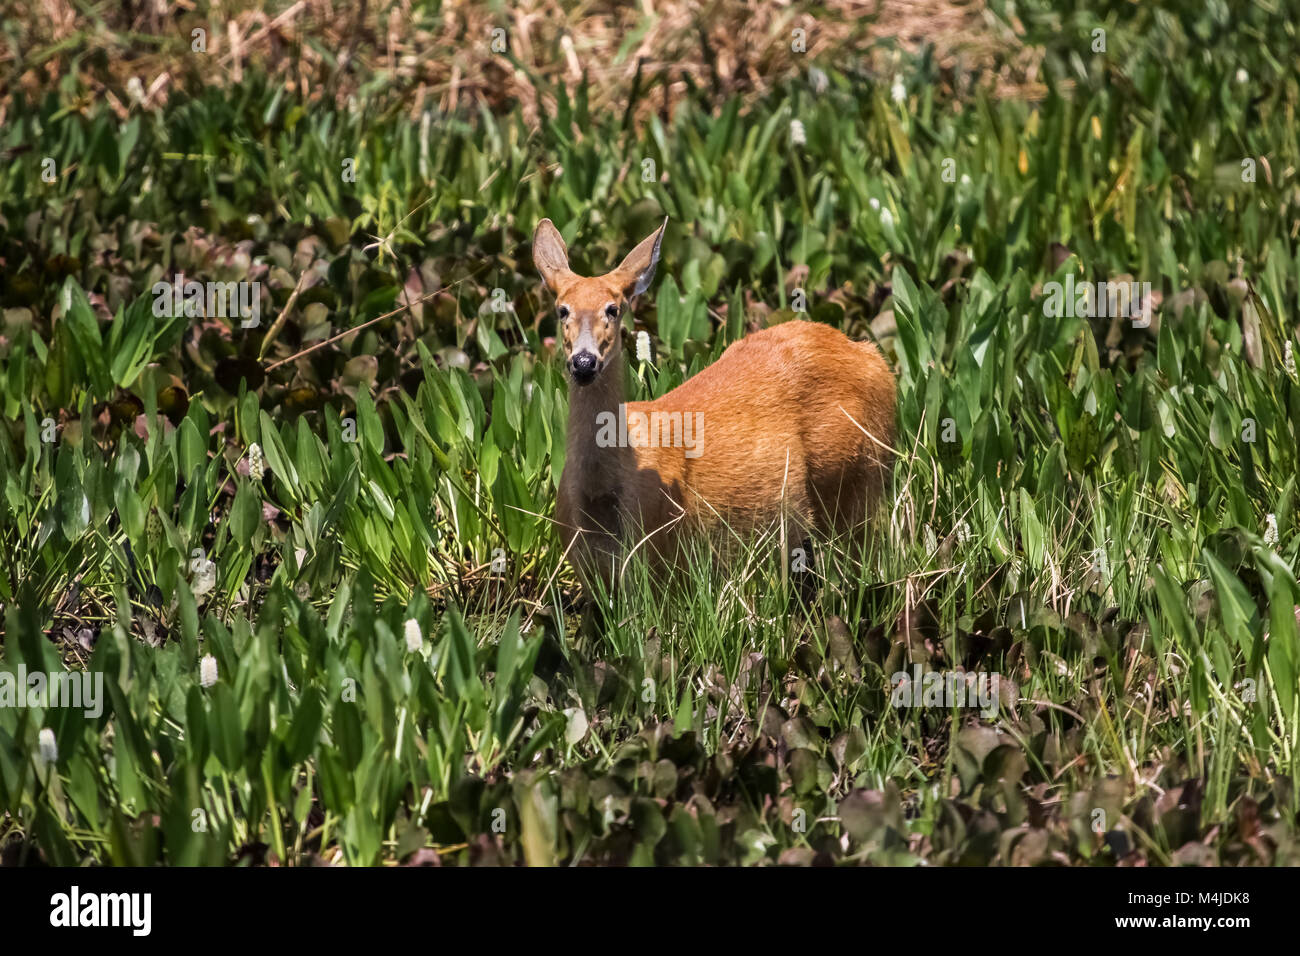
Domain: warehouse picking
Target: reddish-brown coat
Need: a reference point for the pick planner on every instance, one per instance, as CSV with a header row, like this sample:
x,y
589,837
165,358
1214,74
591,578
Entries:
x,y
797,421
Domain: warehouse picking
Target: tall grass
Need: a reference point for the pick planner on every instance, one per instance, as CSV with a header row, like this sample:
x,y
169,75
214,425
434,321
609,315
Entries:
x,y
1099,511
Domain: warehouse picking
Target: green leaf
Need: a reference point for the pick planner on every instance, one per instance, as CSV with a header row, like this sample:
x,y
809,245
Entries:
x,y
305,730
80,321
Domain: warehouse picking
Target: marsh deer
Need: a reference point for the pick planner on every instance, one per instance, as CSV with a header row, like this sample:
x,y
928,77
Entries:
x,y
793,421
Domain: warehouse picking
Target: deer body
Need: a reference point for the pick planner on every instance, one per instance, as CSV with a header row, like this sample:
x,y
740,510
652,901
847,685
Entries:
x,y
794,421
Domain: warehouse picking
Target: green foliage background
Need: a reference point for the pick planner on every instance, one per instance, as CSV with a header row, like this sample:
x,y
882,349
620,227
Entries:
x,y
1100,532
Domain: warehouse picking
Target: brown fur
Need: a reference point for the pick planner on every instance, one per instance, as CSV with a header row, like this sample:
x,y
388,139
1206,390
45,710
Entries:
x,y
789,418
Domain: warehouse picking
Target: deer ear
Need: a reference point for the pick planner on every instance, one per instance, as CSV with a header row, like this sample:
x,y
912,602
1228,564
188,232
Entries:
x,y
550,255
637,271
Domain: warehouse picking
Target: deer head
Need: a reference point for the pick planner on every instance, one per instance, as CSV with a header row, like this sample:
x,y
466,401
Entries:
x,y
591,310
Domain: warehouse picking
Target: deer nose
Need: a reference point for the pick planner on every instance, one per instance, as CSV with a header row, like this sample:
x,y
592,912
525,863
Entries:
x,y
583,367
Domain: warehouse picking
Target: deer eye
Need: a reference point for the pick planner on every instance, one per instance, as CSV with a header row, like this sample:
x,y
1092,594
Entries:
x,y
611,311
563,311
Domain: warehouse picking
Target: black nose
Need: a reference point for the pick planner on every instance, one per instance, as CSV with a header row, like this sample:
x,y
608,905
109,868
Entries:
x,y
583,367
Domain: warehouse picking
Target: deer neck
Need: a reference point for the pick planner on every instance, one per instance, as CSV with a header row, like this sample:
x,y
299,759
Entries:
x,y
595,416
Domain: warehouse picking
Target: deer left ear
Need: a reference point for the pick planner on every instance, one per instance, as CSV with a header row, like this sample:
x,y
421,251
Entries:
x,y
637,271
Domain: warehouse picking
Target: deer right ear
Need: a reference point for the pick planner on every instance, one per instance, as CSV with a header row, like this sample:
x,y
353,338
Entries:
x,y
550,255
